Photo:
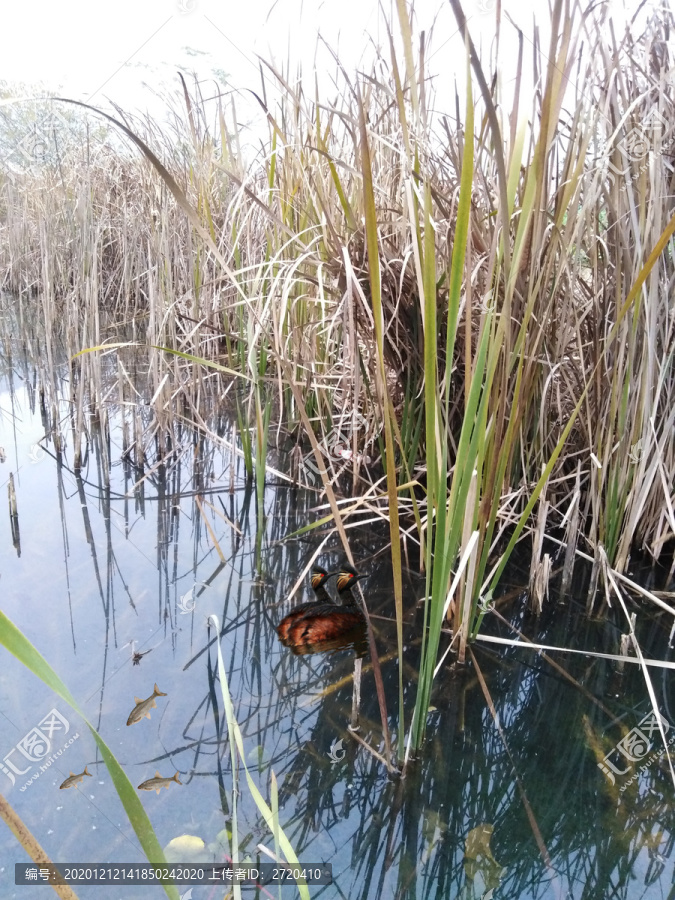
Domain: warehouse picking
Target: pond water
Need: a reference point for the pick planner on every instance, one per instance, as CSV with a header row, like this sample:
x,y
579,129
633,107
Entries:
x,y
96,571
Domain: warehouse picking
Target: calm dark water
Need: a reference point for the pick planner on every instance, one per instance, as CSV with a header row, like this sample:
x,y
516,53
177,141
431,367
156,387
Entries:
x,y
98,570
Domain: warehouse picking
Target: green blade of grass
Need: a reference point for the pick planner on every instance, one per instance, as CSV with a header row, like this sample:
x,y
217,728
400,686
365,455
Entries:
x,y
385,403
19,646
237,740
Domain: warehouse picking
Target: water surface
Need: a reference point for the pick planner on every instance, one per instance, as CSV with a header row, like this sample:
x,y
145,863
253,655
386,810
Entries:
x,y
102,568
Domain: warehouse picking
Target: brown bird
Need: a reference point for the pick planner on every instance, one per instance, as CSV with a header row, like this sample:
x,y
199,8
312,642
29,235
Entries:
x,y
323,621
318,580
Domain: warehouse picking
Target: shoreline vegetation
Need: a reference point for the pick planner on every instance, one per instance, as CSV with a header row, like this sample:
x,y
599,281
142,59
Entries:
x,y
478,305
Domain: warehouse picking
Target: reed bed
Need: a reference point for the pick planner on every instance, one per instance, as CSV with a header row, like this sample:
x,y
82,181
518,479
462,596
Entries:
x,y
469,314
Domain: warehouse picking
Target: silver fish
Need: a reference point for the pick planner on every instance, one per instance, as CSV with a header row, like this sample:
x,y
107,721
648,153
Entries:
x,y
143,707
154,784
72,780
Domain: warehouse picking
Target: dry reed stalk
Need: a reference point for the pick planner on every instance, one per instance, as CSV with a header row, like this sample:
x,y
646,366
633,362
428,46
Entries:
x,y
539,566
571,536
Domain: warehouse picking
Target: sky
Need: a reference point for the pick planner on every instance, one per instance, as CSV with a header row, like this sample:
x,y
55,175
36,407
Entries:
x,y
130,52
95,51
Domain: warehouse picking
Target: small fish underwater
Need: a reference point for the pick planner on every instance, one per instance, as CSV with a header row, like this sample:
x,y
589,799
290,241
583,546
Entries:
x,y
143,707
156,783
72,780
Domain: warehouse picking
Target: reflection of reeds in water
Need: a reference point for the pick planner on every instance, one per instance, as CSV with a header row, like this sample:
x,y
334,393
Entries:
x,y
472,298
13,514
402,837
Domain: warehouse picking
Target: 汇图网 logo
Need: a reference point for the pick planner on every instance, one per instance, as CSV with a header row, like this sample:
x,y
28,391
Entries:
x,y
35,745
635,747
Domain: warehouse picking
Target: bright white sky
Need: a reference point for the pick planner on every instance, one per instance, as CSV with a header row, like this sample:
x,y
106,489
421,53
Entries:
x,y
101,52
